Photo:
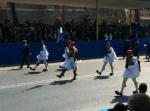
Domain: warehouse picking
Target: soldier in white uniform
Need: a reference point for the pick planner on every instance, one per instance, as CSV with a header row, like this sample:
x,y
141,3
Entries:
x,y
42,57
65,55
71,61
132,70
108,58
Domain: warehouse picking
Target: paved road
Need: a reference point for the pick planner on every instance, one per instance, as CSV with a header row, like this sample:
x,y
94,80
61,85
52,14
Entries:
x,y
24,90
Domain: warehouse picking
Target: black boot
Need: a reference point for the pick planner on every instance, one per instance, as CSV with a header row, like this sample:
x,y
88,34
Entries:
x,y
21,67
44,70
134,92
59,76
74,78
118,93
32,68
97,71
111,74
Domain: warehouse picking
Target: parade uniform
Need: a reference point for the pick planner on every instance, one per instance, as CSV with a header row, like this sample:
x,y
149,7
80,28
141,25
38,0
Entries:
x,y
132,69
65,56
110,55
43,55
70,61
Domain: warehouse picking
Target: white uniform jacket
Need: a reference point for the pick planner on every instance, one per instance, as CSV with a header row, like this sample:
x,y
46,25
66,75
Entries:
x,y
110,57
43,55
132,71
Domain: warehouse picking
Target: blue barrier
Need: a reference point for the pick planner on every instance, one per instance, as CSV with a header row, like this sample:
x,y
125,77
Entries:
x,y
10,53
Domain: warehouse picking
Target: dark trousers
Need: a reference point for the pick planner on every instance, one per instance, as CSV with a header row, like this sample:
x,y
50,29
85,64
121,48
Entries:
x,y
125,52
136,53
25,59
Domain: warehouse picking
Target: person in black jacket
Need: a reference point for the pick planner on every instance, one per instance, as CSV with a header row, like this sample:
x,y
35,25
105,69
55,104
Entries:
x,y
25,54
126,47
147,49
135,47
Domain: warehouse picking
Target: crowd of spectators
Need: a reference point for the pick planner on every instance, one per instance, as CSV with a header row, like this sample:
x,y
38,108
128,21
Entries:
x,y
83,30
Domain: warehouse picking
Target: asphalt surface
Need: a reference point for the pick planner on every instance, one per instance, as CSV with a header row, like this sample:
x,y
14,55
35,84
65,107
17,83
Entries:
x,y
25,90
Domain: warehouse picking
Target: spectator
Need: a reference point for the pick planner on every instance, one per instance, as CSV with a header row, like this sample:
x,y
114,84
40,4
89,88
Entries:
x,y
106,37
119,107
110,37
139,102
143,88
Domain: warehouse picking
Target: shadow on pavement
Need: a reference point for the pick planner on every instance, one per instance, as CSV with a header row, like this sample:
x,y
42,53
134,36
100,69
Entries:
x,y
32,73
62,82
58,70
35,87
15,69
120,99
101,77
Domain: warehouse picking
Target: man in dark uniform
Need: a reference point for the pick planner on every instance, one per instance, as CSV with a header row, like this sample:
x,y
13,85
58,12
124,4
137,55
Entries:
x,y
126,47
135,47
147,48
25,54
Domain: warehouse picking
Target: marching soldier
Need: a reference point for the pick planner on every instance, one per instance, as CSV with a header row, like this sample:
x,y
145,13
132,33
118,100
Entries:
x,y
132,70
109,57
71,62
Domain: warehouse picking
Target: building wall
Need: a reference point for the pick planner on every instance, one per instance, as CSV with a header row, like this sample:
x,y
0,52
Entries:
x,y
145,17
48,14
